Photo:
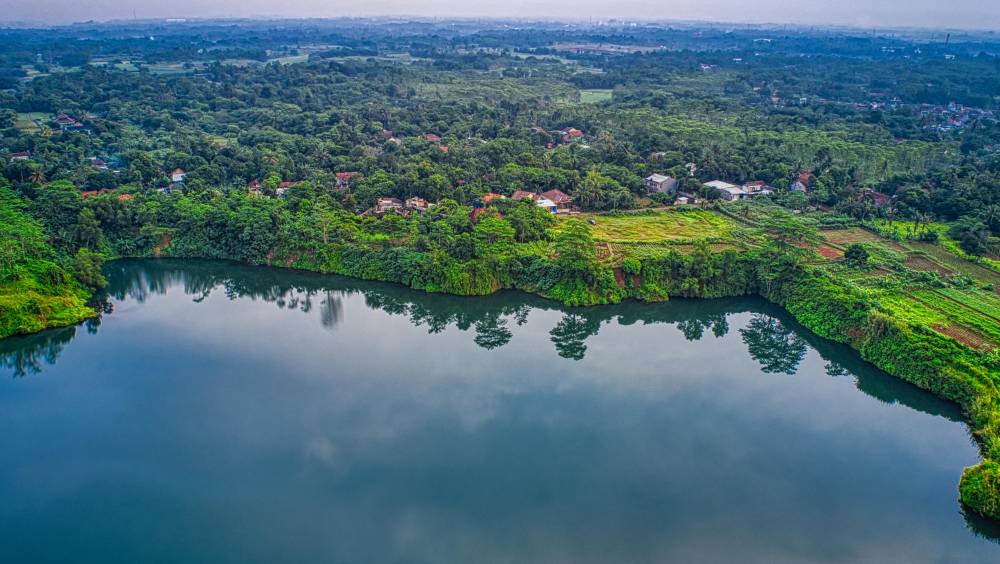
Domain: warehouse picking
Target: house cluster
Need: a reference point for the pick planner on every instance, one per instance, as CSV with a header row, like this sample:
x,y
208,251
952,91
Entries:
x,y
255,188
566,134
386,205
68,123
731,192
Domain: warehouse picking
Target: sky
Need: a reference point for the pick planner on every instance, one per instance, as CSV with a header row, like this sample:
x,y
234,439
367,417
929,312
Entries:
x,y
972,14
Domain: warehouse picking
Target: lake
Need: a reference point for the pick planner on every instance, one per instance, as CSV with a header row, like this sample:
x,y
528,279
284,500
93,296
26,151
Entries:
x,y
223,413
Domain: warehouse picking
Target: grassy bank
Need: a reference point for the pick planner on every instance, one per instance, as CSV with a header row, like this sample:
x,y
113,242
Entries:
x,y
35,291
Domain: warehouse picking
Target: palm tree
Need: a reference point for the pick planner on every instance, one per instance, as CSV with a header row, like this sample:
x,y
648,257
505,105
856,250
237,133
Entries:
x,y
37,176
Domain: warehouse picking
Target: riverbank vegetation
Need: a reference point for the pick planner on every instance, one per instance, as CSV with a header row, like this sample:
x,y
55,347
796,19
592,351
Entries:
x,y
396,158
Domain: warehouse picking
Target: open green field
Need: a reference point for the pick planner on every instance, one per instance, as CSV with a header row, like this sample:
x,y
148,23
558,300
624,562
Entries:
x,y
290,59
30,122
595,96
660,227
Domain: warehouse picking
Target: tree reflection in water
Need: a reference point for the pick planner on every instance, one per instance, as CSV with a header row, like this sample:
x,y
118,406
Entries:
x,y
772,337
779,350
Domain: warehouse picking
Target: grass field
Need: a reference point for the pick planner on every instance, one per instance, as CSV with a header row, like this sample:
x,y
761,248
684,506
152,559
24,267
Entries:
x,y
595,96
30,122
659,227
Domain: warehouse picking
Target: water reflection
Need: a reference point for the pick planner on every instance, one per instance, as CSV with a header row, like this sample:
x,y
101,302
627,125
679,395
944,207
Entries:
x,y
772,339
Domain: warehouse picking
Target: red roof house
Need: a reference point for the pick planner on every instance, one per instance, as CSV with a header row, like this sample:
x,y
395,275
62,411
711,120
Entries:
x,y
558,196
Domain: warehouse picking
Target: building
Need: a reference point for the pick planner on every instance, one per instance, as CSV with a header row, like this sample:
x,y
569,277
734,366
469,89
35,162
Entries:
x,y
560,198
491,196
547,204
522,194
660,183
570,134
432,137
802,182
727,191
344,179
178,175
386,205
20,156
757,188
417,204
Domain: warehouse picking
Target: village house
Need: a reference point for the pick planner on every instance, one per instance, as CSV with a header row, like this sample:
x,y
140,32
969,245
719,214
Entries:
x,y
254,187
417,204
802,182
539,199
757,188
20,156
385,205
660,183
730,192
548,204
491,196
178,175
560,198
98,163
344,179
727,191
570,134
522,194
432,137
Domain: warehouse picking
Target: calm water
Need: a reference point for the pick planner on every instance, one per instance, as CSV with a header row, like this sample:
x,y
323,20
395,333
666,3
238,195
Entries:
x,y
220,413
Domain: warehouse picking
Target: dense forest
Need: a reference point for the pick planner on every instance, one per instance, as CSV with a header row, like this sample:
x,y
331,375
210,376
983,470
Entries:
x,y
393,151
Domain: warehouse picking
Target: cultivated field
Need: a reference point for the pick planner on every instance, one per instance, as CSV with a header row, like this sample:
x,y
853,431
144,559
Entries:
x,y
660,227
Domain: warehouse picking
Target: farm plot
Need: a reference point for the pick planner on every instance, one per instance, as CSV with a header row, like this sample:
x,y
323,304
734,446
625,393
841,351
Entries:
x,y
919,262
979,273
660,227
853,235
949,318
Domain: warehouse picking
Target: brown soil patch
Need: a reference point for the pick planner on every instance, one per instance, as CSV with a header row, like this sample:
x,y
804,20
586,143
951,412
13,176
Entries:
x,y
620,277
917,262
966,336
165,240
829,252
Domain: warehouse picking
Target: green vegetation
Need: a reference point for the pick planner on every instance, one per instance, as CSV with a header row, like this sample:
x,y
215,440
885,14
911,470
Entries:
x,y
35,291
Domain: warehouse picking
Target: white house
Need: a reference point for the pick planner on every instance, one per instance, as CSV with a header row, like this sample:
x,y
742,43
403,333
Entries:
x,y
728,191
547,204
660,183
177,175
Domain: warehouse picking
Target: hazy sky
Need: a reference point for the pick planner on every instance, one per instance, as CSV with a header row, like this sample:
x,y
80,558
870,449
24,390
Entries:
x,y
978,14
